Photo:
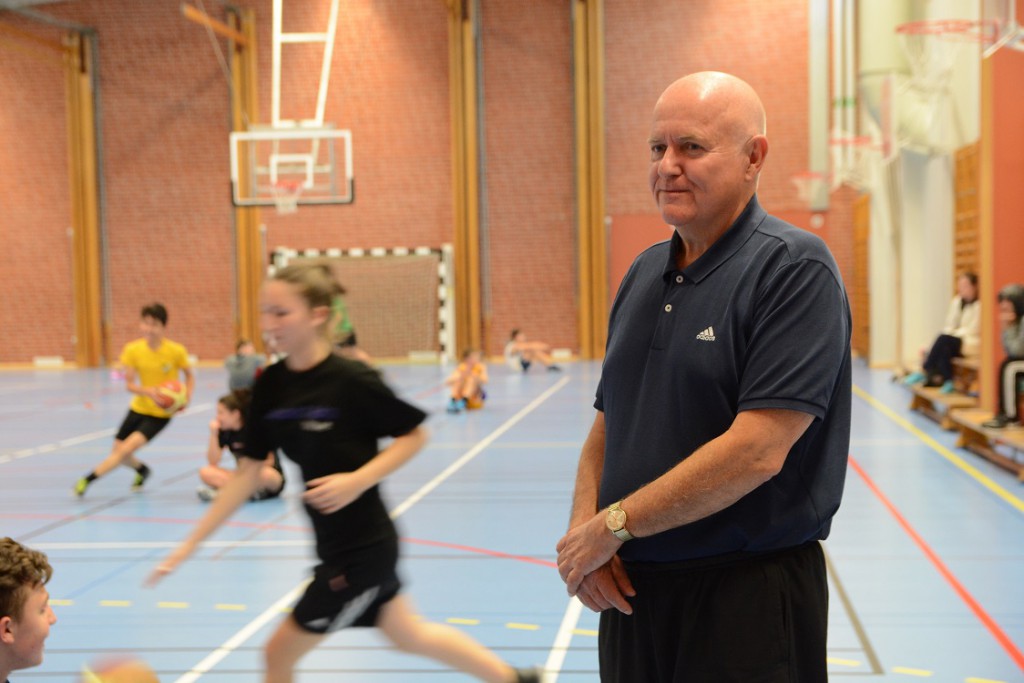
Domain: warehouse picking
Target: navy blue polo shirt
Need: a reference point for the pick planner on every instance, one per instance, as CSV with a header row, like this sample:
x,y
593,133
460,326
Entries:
x,y
760,320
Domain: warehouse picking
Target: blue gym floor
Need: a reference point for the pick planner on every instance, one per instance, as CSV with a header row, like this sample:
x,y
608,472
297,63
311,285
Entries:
x,y
926,555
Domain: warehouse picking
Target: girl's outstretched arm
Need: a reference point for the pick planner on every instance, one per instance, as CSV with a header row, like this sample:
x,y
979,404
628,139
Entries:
x,y
239,489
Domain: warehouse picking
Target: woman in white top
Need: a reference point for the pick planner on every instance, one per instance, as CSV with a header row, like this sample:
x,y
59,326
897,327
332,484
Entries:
x,y
961,336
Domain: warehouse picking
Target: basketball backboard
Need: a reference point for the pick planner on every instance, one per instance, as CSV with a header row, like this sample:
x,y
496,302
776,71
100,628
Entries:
x,y
1002,28
318,159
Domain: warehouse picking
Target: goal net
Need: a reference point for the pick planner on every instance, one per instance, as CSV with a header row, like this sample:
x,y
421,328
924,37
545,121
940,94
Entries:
x,y
399,300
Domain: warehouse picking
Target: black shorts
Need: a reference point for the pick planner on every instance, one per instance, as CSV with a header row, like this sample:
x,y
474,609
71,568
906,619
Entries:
x,y
350,592
147,425
750,620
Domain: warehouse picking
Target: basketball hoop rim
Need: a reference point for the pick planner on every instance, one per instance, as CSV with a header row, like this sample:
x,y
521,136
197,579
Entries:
x,y
863,142
810,175
954,29
286,195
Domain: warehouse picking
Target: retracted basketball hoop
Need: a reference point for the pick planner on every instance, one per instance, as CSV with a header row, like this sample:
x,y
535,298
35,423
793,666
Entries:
x,y
286,195
811,188
931,46
853,157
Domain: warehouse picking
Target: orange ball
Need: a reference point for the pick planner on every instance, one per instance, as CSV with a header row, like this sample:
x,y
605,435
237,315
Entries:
x,y
172,396
120,671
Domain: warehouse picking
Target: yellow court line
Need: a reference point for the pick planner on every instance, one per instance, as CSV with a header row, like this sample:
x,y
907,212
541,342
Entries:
x,y
907,671
115,603
842,662
230,607
584,632
981,680
949,455
172,605
463,622
522,627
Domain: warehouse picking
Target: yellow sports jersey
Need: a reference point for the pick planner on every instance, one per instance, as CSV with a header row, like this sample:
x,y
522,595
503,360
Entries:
x,y
478,369
153,368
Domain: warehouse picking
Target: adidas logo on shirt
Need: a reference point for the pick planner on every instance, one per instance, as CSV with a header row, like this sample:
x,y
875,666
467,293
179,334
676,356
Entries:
x,y
707,335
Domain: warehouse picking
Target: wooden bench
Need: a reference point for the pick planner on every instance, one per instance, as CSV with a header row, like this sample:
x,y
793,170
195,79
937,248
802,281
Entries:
x,y
984,442
939,406
965,374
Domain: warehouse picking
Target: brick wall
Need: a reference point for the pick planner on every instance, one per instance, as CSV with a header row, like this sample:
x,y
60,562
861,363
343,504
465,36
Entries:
x,y
168,220
651,44
35,281
530,186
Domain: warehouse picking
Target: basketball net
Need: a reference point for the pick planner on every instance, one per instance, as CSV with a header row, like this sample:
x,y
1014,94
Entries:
x,y
852,160
286,196
932,48
810,186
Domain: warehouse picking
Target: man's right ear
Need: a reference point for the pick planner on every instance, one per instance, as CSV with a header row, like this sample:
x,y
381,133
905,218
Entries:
x,y
6,634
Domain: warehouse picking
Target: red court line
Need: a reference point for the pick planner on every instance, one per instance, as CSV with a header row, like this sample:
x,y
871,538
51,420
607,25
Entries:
x,y
262,526
979,611
423,393
482,551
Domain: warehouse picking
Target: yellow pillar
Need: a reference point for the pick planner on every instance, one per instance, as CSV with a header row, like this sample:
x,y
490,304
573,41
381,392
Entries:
x,y
588,77
249,256
86,269
465,172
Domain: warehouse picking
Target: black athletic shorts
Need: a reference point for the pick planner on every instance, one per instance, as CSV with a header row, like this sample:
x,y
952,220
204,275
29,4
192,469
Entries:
x,y
147,425
759,619
350,592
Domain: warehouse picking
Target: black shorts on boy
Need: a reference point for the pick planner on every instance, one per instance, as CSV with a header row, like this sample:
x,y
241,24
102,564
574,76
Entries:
x,y
147,425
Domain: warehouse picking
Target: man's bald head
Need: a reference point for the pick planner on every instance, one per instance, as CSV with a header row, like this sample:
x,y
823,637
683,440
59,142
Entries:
x,y
733,101
707,150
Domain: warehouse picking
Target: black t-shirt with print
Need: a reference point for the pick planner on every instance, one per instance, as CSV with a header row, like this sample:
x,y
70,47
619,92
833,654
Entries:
x,y
328,420
231,439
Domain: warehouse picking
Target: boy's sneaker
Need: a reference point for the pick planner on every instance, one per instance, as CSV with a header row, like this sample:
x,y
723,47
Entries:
x,y
205,493
453,406
554,368
947,387
141,475
80,486
528,675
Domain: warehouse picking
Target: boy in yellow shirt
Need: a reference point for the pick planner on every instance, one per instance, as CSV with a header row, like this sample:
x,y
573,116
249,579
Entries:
x,y
148,362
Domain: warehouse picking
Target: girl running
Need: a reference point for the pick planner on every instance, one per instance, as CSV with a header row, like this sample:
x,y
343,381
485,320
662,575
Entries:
x,y
327,413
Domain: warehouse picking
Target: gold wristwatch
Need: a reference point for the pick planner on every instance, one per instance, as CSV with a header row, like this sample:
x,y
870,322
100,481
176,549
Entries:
x,y
616,522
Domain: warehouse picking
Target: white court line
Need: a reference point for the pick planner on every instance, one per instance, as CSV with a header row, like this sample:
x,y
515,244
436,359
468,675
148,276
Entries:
x,y
475,451
560,648
239,638
75,440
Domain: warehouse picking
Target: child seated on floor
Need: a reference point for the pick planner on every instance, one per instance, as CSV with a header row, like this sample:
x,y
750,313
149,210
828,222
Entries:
x,y
467,383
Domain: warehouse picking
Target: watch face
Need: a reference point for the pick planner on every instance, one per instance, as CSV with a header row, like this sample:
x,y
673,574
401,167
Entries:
x,y
616,519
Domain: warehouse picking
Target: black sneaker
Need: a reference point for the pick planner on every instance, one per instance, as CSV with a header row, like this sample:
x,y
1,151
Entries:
x,y
528,675
141,475
997,422
554,368
206,493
